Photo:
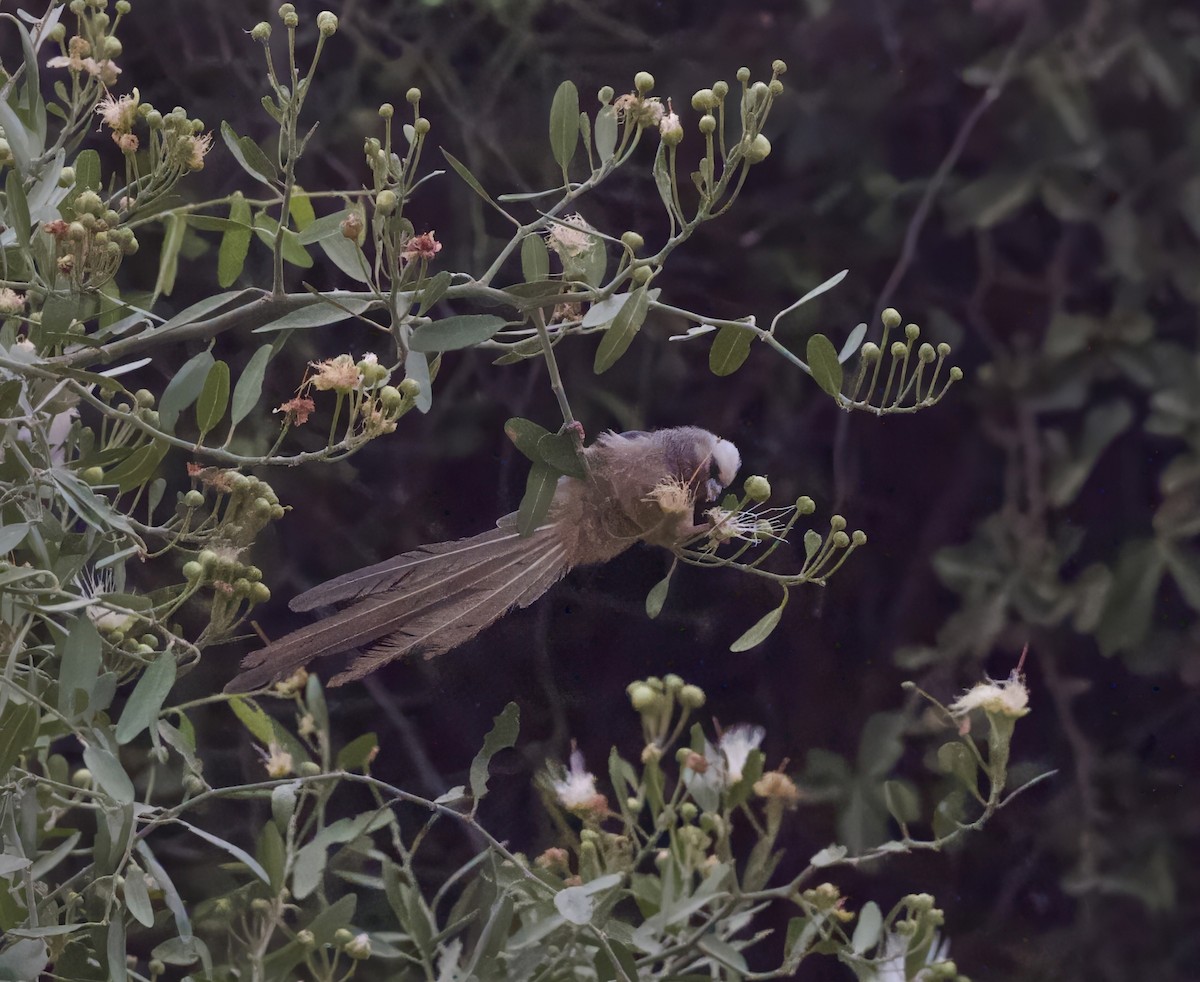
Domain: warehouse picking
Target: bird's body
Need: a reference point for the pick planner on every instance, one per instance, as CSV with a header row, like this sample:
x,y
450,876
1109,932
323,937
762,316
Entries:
x,y
640,487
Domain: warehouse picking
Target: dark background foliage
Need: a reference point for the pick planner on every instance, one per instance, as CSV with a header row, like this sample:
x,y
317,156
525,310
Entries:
x,y
1048,228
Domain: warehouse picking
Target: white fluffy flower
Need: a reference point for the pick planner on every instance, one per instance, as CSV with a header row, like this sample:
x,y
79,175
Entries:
x,y
736,744
576,789
1009,697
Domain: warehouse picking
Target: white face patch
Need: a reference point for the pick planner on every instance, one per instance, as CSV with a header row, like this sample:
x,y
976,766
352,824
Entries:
x,y
729,461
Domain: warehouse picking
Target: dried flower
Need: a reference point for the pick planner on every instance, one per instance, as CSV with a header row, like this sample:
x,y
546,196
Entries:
x,y
1006,698
196,148
119,113
576,789
277,760
297,410
128,142
777,786
671,129
340,374
571,237
424,246
11,302
292,684
554,860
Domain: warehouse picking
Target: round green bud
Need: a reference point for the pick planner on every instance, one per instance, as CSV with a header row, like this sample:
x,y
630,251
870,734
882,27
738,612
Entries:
x,y
286,8
101,20
277,512
926,353
805,505
154,119
262,506
641,275
943,349
869,352
385,202
260,593
643,698
192,570
720,89
261,32
92,475
390,398
144,650
956,374
387,110
421,126
149,640
840,540
643,82
758,92
306,939
682,755
691,697
899,349
837,523
890,318
291,21
193,784
113,47
859,537
66,177
76,232
194,498
633,804
241,586
206,558
778,66
327,23
58,32
912,331
757,488
703,100
412,96
77,7
308,768
342,937
88,221
672,682
82,778
632,241
144,398
708,124
688,811
123,7
758,150
776,87
410,388
604,95
253,574
89,201
260,904
743,75
156,967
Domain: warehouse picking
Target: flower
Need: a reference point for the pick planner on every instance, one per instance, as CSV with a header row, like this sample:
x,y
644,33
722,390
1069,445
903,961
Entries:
x,y
424,246
358,947
340,374
570,237
735,744
11,302
777,786
1009,697
128,142
277,760
576,789
671,129
118,113
195,149
296,411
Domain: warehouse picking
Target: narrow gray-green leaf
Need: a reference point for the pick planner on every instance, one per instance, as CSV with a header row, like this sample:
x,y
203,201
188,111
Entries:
x,y
137,897
237,852
564,123
214,398
80,666
729,350
823,360
535,259
853,343
453,333
525,436
168,257
249,155
318,314
575,905
759,633
868,928
559,452
108,773
461,170
249,384
235,243
620,335
606,133
147,697
658,595
539,494
432,290
501,736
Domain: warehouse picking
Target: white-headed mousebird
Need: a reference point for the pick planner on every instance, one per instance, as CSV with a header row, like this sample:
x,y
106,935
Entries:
x,y
640,487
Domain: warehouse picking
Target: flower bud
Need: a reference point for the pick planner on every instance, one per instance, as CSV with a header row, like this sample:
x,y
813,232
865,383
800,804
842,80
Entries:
x,y
421,126
327,23
291,21
776,87
956,374
387,110
703,100
641,275
260,593
926,353
66,177
156,966
410,388
840,540
837,523
778,66
743,75
82,778
342,937
688,811
306,939
112,47
308,768
890,317
757,488
859,537
643,82
899,349
643,698
720,90
758,150
192,570
912,332
390,398
805,505
708,124
869,352
605,95
632,241
194,498
943,349
671,130
412,96
92,475
352,226
58,32
691,697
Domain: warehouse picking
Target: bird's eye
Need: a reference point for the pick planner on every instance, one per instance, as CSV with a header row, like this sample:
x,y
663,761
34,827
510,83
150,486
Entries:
x,y
714,470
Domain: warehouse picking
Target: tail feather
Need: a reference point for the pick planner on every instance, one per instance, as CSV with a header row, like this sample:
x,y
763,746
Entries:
x,y
460,586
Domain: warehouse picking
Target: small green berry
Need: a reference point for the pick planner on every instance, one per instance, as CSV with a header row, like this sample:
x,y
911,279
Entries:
x,y
643,82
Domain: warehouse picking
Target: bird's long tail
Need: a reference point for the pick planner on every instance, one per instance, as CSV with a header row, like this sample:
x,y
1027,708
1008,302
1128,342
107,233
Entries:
x,y
426,601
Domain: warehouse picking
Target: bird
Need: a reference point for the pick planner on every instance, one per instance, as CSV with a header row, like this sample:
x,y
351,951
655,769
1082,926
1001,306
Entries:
x,y
638,486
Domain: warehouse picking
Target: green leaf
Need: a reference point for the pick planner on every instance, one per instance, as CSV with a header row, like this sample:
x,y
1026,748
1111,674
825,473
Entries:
x,y
564,124
249,385
16,209
606,133
461,170
823,360
265,729
325,227
662,181
539,495
356,755
956,758
139,467
1131,599
18,729
13,535
759,633
868,928
168,257
575,905
416,367
250,156
853,343
501,736
558,452
137,897
729,350
525,436
235,243
828,856
293,252
79,668
658,595
535,259
184,389
108,773
432,290
453,333
301,209
323,311
114,950
237,852
214,398
620,335
147,698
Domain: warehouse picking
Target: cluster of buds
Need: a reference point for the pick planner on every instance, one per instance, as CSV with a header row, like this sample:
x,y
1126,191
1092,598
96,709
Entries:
x,y
905,380
638,107
90,247
355,946
375,405
90,54
655,700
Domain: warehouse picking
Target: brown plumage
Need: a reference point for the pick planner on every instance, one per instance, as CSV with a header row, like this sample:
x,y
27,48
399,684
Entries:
x,y
640,487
